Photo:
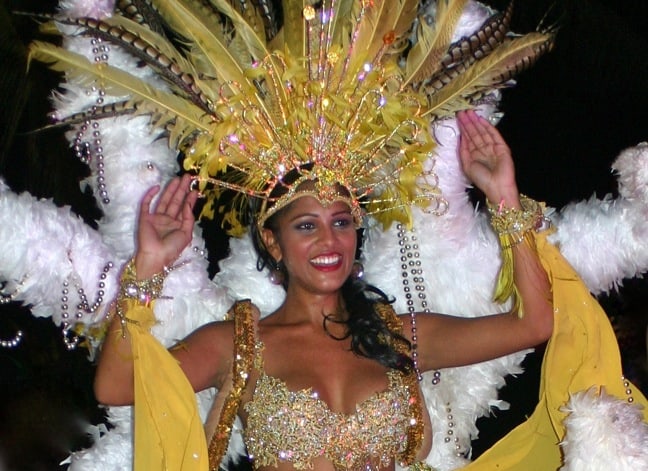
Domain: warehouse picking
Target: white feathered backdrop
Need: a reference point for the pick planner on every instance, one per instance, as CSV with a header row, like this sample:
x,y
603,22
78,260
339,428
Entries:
x,y
50,255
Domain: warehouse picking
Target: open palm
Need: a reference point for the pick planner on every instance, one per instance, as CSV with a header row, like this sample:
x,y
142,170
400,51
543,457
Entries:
x,y
164,231
486,158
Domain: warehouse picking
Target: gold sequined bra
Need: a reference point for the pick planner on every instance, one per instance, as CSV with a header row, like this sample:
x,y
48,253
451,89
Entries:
x,y
297,427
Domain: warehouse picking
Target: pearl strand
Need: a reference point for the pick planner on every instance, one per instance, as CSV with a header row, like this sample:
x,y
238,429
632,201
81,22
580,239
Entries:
x,y
411,265
410,260
12,342
8,298
84,307
628,390
84,149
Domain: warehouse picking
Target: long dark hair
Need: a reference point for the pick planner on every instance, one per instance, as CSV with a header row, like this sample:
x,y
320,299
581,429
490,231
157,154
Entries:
x,y
369,333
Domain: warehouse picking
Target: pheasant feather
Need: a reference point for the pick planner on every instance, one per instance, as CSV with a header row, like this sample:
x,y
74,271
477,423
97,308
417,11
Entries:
x,y
168,106
492,71
433,41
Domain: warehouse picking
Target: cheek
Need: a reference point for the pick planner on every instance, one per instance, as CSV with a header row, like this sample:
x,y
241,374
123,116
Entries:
x,y
350,243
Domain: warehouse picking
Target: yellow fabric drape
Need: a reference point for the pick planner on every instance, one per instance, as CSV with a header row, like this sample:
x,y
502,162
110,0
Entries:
x,y
582,353
169,434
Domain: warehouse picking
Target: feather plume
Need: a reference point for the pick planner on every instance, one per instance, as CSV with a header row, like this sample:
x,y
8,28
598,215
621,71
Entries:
x,y
110,110
269,15
294,32
492,71
480,43
151,48
384,18
167,106
251,16
433,41
141,12
191,20
255,45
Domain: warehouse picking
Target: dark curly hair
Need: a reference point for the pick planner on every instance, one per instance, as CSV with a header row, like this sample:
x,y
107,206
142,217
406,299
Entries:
x,y
370,336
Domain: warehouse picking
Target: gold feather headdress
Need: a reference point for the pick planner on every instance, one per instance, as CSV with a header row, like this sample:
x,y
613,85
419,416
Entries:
x,y
340,92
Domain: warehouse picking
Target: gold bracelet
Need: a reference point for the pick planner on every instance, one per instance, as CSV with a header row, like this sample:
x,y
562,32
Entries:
x,y
512,227
512,224
142,291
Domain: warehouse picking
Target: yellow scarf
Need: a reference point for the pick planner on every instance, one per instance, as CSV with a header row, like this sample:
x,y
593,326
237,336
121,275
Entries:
x,y
582,353
169,434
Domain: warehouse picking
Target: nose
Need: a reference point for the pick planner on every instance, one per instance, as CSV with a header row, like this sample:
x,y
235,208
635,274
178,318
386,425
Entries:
x,y
328,237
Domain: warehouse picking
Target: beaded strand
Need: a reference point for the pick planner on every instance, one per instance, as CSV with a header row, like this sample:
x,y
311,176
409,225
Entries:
x,y
411,265
84,149
83,307
12,342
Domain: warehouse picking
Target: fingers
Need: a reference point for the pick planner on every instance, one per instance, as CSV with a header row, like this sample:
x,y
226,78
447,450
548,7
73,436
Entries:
x,y
172,200
475,130
187,212
470,137
145,205
171,193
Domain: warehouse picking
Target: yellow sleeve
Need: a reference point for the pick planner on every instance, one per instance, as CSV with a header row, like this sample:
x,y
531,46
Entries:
x,y
582,354
168,432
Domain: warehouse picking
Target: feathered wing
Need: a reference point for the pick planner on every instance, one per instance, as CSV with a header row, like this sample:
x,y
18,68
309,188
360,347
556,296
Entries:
x,y
293,31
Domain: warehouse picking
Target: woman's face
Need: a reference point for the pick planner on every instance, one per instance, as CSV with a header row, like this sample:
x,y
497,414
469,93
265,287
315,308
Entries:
x,y
316,244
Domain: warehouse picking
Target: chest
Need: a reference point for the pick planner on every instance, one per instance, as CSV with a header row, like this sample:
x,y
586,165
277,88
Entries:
x,y
293,424
326,366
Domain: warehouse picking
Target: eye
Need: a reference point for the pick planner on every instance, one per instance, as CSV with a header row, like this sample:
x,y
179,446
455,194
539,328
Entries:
x,y
305,226
343,221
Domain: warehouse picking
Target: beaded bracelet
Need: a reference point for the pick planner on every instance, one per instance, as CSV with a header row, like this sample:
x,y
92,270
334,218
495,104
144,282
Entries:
x,y
142,291
512,227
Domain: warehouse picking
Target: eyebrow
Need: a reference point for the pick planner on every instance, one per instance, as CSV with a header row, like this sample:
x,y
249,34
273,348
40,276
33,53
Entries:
x,y
314,215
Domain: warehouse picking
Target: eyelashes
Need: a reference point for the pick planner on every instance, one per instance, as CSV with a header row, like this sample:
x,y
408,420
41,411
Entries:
x,y
342,222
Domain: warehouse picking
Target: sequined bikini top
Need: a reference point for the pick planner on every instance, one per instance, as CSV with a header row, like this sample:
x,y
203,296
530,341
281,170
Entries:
x,y
297,427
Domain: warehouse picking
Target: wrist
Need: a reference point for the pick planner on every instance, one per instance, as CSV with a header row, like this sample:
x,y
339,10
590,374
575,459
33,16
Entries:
x,y
505,198
147,265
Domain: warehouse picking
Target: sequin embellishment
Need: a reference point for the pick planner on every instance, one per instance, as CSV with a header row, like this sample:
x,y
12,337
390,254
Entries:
x,y
298,427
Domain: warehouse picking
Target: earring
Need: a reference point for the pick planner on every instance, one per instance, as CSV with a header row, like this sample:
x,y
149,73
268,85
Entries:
x,y
357,270
277,275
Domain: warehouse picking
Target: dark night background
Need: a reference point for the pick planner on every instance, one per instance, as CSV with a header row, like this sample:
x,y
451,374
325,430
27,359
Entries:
x,y
566,121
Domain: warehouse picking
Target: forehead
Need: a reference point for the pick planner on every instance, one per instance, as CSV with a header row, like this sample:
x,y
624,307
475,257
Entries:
x,y
308,204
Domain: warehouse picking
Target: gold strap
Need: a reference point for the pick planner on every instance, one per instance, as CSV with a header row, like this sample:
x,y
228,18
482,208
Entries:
x,y
244,342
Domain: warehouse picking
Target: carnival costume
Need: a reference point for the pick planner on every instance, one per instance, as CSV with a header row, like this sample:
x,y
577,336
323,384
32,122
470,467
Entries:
x,y
390,203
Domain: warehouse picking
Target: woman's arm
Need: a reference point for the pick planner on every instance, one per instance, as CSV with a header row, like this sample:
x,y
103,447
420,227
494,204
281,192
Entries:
x,y
455,341
163,232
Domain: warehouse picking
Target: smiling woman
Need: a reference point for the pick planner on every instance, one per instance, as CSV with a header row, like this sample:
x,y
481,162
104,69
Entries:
x,y
327,376
335,337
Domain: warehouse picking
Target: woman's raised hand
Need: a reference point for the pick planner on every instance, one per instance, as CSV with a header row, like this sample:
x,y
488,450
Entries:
x,y
165,230
486,159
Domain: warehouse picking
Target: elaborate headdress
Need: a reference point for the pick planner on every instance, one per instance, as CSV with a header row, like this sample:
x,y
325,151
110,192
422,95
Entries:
x,y
339,91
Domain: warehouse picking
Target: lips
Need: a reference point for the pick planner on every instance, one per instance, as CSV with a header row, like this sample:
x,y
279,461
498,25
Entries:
x,y
326,261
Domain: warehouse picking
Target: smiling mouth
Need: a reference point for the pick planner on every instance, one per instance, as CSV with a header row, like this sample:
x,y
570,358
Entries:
x,y
326,261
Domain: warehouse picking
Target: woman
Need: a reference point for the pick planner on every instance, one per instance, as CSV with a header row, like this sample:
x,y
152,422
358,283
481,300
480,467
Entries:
x,y
311,344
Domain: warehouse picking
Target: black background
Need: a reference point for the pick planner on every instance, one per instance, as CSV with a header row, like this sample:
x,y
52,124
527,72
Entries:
x,y
566,121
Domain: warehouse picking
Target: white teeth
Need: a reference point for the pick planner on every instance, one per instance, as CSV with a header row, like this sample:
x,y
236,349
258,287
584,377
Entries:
x,y
326,260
